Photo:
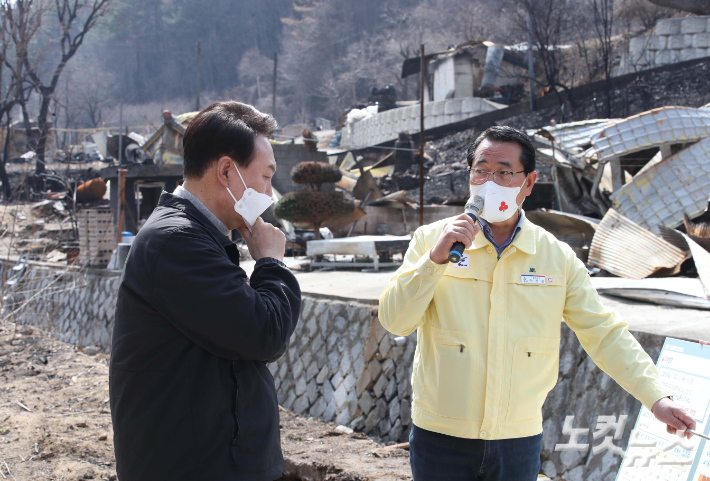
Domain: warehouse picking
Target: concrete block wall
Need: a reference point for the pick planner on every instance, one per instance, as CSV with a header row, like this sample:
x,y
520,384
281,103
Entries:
x,y
386,126
71,304
586,392
342,366
674,40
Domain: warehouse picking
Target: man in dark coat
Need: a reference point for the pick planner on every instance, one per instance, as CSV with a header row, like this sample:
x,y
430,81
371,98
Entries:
x,y
191,396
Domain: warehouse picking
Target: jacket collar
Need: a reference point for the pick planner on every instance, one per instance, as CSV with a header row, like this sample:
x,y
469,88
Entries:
x,y
524,241
169,200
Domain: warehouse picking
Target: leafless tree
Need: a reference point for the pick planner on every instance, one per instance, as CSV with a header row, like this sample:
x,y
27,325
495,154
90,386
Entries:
x,y
19,23
603,26
549,21
74,20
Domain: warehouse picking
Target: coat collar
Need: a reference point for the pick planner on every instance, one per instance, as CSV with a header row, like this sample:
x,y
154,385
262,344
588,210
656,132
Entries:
x,y
169,200
524,241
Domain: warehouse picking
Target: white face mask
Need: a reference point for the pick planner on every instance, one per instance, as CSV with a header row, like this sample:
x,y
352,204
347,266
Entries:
x,y
252,203
500,203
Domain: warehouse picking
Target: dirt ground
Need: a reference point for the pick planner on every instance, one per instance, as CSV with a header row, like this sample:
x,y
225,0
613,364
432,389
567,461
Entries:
x,y
54,417
55,423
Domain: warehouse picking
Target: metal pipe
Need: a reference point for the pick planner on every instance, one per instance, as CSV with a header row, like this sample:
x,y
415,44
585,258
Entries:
x,y
531,63
555,179
120,133
421,141
273,94
199,60
121,202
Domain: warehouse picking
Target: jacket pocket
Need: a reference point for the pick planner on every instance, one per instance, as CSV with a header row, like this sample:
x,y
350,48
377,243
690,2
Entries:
x,y
544,301
448,374
535,368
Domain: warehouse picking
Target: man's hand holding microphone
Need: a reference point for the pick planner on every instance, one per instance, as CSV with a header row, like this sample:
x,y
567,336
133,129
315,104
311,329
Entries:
x,y
458,234
461,229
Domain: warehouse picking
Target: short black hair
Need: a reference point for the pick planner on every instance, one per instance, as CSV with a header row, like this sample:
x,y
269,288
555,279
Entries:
x,y
223,129
506,134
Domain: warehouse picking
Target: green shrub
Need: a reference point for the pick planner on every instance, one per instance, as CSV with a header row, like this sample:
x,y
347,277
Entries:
x,y
315,173
313,208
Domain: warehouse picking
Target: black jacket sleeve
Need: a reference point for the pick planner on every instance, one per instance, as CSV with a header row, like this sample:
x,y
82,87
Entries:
x,y
209,299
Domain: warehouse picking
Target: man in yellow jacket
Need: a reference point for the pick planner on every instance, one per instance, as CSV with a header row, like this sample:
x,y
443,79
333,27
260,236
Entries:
x,y
488,328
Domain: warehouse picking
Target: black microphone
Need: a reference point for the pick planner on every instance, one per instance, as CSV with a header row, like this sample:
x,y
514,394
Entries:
x,y
473,209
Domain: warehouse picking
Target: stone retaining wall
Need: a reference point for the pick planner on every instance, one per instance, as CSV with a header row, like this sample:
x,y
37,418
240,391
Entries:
x,y
674,40
342,366
586,392
71,304
386,126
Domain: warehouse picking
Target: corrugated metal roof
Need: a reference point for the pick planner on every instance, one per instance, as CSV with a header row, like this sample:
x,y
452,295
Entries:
x,y
667,125
544,156
626,249
574,135
661,195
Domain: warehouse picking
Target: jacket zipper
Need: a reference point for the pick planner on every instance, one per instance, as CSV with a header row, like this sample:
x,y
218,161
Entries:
x,y
235,404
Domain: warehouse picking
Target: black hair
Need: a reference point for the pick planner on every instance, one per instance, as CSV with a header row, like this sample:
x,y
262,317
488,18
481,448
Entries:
x,y
506,134
226,128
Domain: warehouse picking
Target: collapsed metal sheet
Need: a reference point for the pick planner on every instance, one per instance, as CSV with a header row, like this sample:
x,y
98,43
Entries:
x,y
575,135
670,291
701,257
399,197
667,125
626,249
544,156
699,232
677,185
577,231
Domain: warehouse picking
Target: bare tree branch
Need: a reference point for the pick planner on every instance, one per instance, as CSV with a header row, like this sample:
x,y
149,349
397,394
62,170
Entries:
x,y
69,13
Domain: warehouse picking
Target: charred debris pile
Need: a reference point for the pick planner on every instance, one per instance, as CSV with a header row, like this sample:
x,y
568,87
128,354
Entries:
x,y
630,195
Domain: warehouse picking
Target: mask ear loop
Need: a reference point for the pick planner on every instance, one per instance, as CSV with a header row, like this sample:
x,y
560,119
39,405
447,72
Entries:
x,y
521,187
240,175
232,195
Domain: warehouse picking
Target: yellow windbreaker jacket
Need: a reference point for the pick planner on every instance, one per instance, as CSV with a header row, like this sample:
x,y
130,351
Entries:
x,y
488,332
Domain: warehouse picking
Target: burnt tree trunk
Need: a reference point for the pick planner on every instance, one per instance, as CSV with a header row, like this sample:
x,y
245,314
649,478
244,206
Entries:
x,y
6,188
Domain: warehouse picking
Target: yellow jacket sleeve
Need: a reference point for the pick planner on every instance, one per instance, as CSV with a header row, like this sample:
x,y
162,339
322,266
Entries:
x,y
404,301
607,340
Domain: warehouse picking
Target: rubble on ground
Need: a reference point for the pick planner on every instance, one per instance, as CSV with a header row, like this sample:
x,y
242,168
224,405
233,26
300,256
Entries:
x,y
622,189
